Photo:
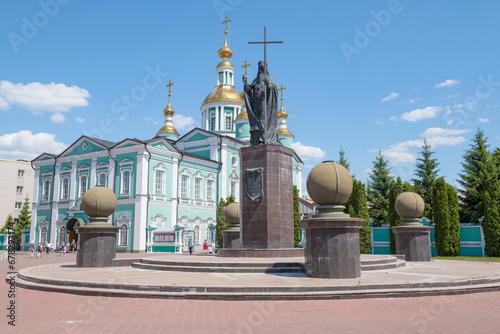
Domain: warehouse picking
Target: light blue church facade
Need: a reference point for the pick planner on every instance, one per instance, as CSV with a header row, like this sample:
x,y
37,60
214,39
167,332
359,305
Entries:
x,y
167,187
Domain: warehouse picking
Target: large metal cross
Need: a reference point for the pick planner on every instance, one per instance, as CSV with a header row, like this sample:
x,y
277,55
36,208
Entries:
x,y
265,42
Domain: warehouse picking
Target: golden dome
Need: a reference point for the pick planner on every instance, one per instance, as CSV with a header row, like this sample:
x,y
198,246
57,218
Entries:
x,y
282,113
167,129
225,63
284,132
225,51
168,110
223,95
242,115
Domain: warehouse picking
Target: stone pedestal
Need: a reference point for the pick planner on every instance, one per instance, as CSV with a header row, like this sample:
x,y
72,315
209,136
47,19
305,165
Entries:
x,y
97,246
413,242
332,247
267,223
231,239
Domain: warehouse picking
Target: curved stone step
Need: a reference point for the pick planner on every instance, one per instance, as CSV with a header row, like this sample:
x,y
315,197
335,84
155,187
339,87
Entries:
x,y
282,268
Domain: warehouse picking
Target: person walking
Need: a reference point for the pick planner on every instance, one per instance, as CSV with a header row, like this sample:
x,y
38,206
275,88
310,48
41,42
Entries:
x,y
190,245
205,245
47,248
31,248
213,246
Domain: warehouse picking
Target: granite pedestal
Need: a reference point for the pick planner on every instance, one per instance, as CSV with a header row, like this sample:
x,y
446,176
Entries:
x,y
97,246
231,239
267,205
332,247
413,242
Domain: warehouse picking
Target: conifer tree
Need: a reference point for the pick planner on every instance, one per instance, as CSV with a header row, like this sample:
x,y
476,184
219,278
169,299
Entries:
x,y
9,224
222,224
24,221
379,190
426,172
396,188
473,180
357,207
446,233
454,229
343,159
296,216
491,220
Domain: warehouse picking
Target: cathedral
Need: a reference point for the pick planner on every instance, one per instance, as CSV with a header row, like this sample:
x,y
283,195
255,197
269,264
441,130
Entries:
x,y
167,187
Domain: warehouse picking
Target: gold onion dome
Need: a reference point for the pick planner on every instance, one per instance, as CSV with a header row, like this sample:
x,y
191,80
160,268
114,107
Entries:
x,y
225,51
284,131
282,113
225,63
223,95
167,129
242,115
168,110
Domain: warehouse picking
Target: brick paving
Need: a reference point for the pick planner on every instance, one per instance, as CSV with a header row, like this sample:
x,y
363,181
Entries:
x,y
42,312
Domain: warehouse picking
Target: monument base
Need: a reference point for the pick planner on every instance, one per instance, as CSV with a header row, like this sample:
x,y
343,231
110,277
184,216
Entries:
x,y
97,246
332,247
265,253
230,239
413,242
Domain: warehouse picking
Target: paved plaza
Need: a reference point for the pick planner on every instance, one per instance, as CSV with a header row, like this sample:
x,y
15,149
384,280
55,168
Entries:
x,y
39,311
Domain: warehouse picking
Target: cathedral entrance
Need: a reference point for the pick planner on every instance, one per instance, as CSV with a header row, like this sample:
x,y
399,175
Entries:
x,y
70,227
186,235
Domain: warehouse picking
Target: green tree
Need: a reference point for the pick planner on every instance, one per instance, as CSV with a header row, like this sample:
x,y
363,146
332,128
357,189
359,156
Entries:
x,y
396,188
379,189
491,196
426,172
446,231
222,224
357,207
343,159
24,221
473,179
296,216
9,224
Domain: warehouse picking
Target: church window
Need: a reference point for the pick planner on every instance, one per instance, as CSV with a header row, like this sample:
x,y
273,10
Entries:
x,y
62,235
123,235
65,188
159,183
228,123
221,78
197,188
102,179
210,190
197,235
212,122
83,185
46,190
231,78
43,235
184,186
233,188
126,182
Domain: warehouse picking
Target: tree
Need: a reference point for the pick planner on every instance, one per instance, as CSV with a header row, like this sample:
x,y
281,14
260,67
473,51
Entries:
x,y
396,188
24,220
473,180
426,171
491,220
343,159
222,224
296,216
357,207
446,231
9,224
379,189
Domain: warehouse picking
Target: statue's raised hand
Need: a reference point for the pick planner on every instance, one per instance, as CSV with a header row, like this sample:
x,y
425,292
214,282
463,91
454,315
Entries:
x,y
244,80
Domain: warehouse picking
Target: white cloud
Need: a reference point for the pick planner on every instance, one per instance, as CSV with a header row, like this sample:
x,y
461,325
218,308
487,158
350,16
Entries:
x,y
420,114
389,97
26,145
435,132
57,117
182,122
491,106
39,97
308,152
415,99
452,96
149,119
393,118
450,122
3,104
448,82
483,120
79,119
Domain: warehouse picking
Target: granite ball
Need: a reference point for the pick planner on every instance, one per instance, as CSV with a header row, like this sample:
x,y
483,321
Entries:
x,y
329,183
232,213
409,205
99,201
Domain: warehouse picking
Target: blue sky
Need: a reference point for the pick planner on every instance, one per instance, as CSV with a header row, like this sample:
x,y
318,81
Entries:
x,y
366,75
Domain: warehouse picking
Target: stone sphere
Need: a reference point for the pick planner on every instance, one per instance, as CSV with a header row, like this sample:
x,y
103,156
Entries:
x,y
232,213
409,205
329,183
99,201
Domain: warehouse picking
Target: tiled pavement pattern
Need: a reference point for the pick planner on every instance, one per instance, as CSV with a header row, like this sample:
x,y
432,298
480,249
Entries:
x,y
43,312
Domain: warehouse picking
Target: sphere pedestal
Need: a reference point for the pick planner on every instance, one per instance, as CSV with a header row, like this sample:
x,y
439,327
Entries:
x,y
97,246
413,242
332,247
231,239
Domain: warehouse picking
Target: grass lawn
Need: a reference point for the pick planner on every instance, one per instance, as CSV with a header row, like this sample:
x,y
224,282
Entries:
x,y
468,258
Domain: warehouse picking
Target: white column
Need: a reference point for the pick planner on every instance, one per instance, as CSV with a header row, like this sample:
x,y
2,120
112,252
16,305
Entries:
x,y
55,204
72,191
34,205
141,203
175,190
93,165
223,173
111,182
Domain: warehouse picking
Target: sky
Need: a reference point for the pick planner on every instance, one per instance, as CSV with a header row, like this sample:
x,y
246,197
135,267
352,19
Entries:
x,y
361,75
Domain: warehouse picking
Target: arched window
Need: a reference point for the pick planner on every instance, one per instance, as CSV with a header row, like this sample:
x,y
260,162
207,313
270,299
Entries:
x,y
65,188
83,185
43,235
196,235
62,235
46,190
123,236
159,183
102,179
126,182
